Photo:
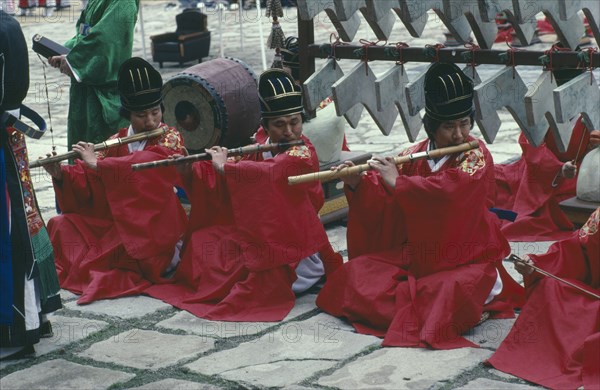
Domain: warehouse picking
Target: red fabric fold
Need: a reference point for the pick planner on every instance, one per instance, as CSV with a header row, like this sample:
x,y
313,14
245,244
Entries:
x,y
118,228
526,187
248,231
555,340
414,277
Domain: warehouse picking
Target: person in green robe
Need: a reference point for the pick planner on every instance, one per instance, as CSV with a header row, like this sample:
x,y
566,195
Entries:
x,y
103,41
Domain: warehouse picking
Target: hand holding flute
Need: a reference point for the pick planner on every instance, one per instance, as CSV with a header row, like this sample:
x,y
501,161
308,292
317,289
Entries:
x,y
257,148
386,165
85,150
219,158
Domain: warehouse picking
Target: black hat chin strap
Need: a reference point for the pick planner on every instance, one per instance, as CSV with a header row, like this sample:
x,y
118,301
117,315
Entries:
x,y
9,120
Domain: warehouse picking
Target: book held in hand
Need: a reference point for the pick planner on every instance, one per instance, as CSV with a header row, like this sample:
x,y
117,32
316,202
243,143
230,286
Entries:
x,y
47,47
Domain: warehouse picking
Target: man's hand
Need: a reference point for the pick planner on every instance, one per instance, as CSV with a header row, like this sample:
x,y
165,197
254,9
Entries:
x,y
87,154
595,138
53,169
61,63
351,180
387,169
524,268
219,158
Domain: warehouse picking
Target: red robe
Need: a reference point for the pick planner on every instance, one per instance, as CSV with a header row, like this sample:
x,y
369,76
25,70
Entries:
x,y
118,228
525,187
555,342
423,257
248,231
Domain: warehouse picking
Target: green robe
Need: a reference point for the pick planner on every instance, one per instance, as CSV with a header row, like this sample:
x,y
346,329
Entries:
x,y
96,58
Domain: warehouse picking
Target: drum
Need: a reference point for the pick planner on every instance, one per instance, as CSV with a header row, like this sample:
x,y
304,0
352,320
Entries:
x,y
213,103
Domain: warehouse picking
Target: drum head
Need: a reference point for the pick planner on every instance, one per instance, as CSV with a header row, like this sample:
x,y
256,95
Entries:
x,y
215,102
198,108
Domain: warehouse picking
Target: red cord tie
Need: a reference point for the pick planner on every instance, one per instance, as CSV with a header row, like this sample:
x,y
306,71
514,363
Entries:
x,y
400,48
366,44
591,51
334,43
437,48
472,49
550,53
511,54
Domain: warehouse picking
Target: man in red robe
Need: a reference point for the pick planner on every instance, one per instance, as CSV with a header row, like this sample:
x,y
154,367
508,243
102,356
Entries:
x,y
534,186
253,240
425,252
118,230
555,342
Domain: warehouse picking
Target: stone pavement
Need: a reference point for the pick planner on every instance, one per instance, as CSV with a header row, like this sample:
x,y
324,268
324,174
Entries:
x,y
142,343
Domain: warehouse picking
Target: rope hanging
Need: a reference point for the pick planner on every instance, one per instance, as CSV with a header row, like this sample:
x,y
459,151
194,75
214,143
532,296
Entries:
x,y
511,56
365,51
399,47
548,57
48,102
471,54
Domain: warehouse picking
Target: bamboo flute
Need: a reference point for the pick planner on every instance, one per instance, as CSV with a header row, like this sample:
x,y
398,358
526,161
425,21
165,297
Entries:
x,y
250,149
109,143
324,176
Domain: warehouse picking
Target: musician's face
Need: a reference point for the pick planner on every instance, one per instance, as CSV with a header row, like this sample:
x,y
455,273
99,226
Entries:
x,y
146,120
285,128
452,133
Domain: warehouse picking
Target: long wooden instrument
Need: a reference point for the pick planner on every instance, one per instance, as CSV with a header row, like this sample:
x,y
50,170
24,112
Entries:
x,y
324,176
250,149
517,259
103,145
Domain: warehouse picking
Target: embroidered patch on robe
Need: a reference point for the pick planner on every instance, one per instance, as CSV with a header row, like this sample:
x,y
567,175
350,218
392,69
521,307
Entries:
x,y
591,226
474,161
171,140
299,151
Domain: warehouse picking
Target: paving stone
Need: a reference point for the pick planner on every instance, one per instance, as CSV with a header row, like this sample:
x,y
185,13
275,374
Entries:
x,y
147,349
320,338
501,374
62,374
491,333
483,383
67,330
126,308
404,368
6,363
337,237
536,248
67,295
510,268
278,374
176,384
225,329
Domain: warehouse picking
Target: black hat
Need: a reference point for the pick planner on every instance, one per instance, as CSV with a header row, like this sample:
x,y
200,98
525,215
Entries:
x,y
290,53
139,85
448,92
279,95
